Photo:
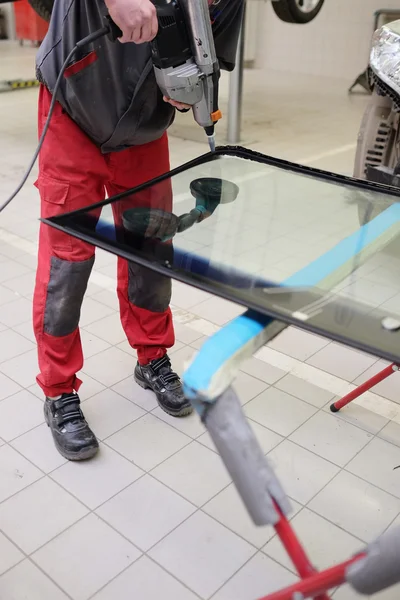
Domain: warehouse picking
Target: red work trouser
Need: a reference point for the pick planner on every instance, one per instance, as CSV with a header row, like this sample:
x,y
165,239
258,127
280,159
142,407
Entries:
x,y
72,174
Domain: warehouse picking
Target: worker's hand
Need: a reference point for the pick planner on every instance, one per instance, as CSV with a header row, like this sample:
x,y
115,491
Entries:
x,y
137,19
178,105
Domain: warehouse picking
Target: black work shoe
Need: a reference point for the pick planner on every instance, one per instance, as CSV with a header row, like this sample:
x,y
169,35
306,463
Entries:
x,y
71,434
159,377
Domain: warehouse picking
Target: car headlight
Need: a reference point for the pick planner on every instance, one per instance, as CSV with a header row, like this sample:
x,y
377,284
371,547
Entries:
x,y
385,55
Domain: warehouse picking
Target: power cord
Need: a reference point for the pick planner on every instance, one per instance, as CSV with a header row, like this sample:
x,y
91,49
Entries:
x,y
106,30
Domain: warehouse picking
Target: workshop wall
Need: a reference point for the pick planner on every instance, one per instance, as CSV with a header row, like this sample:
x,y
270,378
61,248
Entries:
x,y
336,44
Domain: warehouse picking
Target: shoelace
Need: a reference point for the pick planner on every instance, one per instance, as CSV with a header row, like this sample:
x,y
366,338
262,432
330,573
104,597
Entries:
x,y
67,410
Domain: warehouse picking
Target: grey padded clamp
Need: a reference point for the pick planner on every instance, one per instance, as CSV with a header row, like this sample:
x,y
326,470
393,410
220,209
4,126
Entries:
x,y
241,453
380,568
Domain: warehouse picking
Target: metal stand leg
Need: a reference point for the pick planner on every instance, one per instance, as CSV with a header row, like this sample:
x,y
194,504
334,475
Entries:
x,y
236,92
296,552
365,387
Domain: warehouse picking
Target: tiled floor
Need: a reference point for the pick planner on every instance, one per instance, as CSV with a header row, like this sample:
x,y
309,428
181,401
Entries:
x,y
155,515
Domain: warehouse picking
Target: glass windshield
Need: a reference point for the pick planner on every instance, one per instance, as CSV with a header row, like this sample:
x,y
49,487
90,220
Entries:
x,y
269,237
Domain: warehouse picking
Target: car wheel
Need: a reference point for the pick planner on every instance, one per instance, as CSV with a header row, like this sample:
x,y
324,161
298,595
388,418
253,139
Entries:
x,y
297,11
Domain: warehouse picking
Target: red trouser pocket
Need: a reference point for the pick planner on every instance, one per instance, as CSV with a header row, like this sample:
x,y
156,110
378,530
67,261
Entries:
x,y
54,195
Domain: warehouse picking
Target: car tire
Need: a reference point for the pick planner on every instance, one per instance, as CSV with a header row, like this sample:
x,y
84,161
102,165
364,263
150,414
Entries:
x,y
43,8
290,11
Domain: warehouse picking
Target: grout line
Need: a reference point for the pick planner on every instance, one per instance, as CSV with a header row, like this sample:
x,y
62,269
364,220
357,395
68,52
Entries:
x,y
47,575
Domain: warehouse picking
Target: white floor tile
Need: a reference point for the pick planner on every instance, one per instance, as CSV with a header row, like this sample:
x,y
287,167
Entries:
x,y
23,368
184,296
297,343
126,347
10,251
23,285
261,370
108,412
108,329
185,334
331,438
27,581
26,329
301,473
324,543
90,386
38,513
304,390
93,311
147,581
195,472
248,387
391,433
92,344
145,512
108,298
360,416
96,481
9,556
7,295
92,551
279,411
109,270
259,577
110,366
11,269
128,388
148,441
190,425
104,259
16,473
8,387
37,445
210,562
396,523
227,508
19,414
217,310
377,463
347,497
342,362
12,344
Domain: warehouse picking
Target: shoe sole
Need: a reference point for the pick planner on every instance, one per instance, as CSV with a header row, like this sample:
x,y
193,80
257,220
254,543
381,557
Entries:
x,y
84,454
183,412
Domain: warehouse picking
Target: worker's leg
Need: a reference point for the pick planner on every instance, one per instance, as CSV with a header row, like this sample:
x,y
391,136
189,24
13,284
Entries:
x,y
72,172
144,295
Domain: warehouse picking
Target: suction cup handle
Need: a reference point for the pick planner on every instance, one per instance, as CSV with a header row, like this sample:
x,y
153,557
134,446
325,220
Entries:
x,y
114,32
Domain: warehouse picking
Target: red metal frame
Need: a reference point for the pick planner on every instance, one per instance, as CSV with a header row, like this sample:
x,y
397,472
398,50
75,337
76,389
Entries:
x,y
364,387
295,550
312,583
318,583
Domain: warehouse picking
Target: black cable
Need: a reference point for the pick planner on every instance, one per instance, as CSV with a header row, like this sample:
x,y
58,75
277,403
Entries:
x,y
87,40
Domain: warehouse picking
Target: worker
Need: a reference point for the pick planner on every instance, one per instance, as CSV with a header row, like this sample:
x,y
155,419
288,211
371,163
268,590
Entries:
x,y
107,135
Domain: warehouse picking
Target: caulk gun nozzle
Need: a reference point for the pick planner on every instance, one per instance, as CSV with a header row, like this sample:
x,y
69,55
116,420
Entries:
x,y
211,142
